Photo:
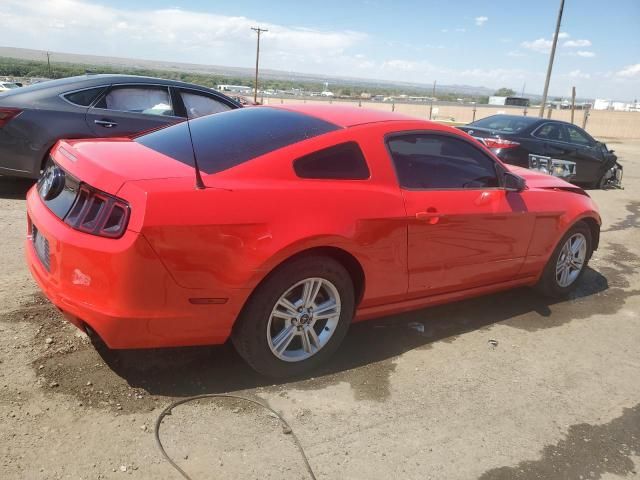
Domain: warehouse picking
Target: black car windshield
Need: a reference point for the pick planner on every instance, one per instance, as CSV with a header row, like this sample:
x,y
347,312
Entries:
x,y
504,123
227,139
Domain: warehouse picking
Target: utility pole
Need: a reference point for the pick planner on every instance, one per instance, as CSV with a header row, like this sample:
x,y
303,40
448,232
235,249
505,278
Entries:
x,y
258,30
433,95
573,102
49,63
551,57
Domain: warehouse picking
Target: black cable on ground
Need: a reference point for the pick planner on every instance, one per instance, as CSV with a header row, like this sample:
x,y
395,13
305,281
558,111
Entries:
x,y
286,428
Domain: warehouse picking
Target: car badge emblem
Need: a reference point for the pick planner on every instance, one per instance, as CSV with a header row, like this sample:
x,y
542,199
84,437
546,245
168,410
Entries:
x,y
51,183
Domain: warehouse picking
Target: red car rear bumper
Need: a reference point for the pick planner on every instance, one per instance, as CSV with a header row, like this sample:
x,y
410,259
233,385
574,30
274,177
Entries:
x,y
121,289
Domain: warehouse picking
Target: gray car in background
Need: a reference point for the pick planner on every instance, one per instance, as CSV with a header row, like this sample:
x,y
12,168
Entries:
x,y
33,118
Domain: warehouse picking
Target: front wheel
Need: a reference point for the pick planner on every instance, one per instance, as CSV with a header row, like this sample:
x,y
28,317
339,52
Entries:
x,y
567,263
297,318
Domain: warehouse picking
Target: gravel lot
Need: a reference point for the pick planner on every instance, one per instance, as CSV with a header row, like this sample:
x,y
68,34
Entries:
x,y
507,386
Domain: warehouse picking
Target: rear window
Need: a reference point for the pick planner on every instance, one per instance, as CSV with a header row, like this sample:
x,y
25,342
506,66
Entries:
x,y
340,162
227,139
504,124
84,98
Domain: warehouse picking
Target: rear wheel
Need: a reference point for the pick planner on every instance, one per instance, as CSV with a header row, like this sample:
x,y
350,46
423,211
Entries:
x,y
297,318
568,262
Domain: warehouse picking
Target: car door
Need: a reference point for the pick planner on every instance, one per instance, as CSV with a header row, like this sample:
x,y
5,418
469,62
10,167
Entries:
x,y
586,153
125,110
198,104
554,140
464,229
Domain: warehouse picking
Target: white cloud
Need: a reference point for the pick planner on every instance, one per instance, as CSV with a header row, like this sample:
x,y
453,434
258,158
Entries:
x,y
515,53
578,74
166,33
461,29
541,45
480,21
630,71
577,43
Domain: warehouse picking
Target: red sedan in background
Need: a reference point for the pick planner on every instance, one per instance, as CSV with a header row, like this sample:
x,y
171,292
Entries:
x,y
278,226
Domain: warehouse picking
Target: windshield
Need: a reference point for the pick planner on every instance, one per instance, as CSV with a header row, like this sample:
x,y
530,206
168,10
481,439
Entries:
x,y
504,123
9,85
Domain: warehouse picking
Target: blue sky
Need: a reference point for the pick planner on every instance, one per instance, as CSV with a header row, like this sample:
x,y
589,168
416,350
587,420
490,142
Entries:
x,y
493,44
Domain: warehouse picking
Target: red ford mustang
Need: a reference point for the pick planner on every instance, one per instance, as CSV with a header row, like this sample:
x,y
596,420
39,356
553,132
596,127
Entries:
x,y
278,226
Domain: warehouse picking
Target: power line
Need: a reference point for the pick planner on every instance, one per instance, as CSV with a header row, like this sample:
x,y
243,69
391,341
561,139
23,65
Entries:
x,y
258,30
551,57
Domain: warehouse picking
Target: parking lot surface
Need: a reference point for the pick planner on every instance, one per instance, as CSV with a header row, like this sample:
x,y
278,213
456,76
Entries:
x,y
508,386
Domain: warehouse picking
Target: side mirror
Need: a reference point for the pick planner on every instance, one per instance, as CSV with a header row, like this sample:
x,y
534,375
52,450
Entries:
x,y
612,152
513,183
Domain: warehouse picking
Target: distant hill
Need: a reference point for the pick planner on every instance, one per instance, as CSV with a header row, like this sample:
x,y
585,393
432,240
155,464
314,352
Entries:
x,y
29,54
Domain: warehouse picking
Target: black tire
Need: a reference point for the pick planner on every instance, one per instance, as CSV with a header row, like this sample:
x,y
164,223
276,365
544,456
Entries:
x,y
250,331
548,284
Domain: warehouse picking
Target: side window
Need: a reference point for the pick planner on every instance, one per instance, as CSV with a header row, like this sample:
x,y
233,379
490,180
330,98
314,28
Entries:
x,y
577,136
428,161
148,100
84,98
551,131
200,105
340,162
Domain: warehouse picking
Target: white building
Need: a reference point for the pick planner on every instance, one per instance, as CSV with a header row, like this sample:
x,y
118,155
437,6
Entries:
x,y
601,104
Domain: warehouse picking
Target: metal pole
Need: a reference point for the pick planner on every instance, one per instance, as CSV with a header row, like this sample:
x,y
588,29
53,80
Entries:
x,y
258,30
573,102
551,57
474,112
586,116
49,63
433,94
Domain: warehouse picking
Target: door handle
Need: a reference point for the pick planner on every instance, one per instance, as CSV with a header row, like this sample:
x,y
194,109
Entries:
x,y
430,215
105,123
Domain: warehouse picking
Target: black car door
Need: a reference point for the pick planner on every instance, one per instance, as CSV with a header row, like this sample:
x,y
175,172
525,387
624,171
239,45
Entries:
x,y
586,153
124,110
553,141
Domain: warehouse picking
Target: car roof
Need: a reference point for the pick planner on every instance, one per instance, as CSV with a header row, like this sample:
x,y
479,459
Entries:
x,y
95,80
344,115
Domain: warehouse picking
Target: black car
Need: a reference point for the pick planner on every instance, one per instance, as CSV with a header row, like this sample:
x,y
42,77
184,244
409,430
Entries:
x,y
33,118
558,148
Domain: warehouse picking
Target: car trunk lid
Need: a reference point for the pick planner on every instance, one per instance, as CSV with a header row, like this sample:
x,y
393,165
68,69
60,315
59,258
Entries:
x,y
107,164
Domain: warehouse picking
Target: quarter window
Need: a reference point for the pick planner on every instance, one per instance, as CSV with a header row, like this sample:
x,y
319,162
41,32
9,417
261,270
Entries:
x,y
147,100
84,98
427,161
200,105
340,162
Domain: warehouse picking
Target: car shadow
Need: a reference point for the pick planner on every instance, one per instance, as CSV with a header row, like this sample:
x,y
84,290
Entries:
x,y
14,188
179,372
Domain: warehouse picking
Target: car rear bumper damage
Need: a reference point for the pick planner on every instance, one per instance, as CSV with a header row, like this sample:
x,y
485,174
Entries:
x,y
120,288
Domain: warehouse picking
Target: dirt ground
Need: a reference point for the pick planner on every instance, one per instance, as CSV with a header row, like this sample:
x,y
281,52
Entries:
x,y
507,386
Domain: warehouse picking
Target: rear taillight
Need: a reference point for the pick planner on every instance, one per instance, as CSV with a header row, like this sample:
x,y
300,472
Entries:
x,y
499,143
98,213
6,114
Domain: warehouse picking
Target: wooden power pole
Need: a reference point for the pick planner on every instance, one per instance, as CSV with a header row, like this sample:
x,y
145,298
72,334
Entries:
x,y
573,102
433,95
49,63
551,57
258,30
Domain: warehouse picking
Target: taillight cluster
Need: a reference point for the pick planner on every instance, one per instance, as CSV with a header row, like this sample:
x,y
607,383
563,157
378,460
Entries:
x,y
98,213
6,114
499,143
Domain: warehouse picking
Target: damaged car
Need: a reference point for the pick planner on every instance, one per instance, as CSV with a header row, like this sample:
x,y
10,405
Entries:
x,y
550,146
